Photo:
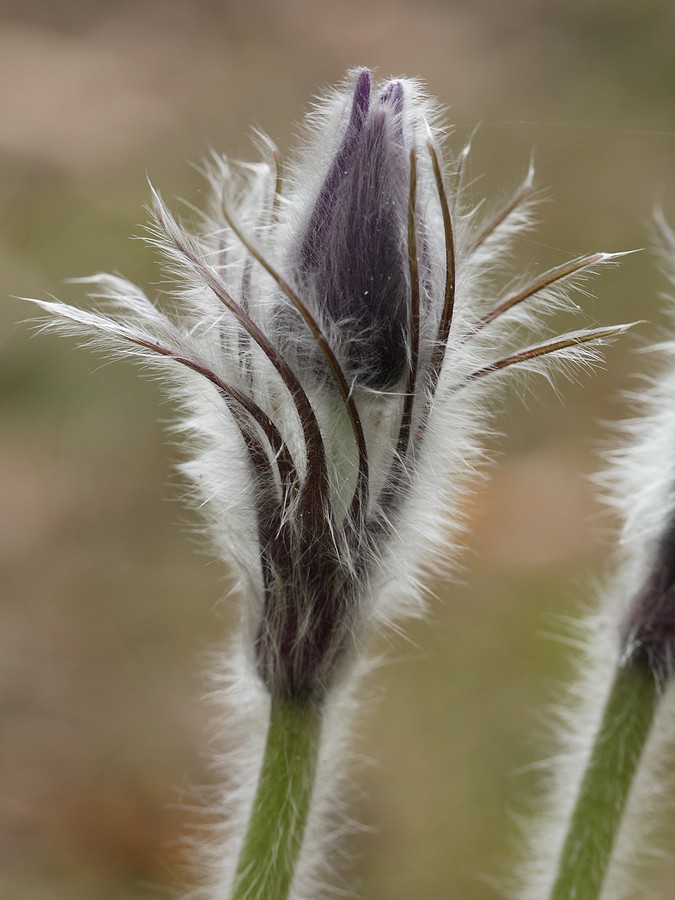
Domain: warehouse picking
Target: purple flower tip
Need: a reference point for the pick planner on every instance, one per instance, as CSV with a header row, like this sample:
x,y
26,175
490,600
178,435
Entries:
x,y
393,95
352,260
362,92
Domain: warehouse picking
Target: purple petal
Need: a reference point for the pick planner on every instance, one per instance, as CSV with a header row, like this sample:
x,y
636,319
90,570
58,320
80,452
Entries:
x,y
338,171
353,258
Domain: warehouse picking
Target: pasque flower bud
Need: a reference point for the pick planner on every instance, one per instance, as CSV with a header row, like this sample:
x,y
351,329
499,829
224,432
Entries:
x,y
606,775
334,337
349,262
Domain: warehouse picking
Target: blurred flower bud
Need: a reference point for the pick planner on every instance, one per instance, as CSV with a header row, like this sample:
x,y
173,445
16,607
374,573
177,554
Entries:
x,y
646,500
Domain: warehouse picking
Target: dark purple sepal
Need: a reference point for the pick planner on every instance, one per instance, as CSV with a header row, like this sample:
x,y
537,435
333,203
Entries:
x,y
319,222
310,607
650,628
352,261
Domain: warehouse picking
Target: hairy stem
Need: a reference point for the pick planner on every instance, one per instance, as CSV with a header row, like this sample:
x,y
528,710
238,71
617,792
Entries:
x,y
615,756
274,835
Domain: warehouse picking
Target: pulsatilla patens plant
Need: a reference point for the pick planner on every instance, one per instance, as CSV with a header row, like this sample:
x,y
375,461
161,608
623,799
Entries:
x,y
332,338
601,823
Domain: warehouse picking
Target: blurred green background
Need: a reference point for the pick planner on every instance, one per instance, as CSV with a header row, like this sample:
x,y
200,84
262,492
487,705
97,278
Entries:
x,y
106,609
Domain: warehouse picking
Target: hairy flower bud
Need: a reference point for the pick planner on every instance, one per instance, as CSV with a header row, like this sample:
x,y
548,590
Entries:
x,y
333,338
361,266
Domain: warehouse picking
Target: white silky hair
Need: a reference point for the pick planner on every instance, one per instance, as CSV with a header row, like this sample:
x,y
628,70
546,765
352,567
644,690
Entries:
x,y
638,485
192,324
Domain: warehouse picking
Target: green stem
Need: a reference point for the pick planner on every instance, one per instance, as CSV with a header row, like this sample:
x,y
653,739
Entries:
x,y
624,729
273,839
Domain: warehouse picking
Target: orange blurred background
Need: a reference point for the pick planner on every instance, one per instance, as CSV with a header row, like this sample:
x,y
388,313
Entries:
x,y
106,608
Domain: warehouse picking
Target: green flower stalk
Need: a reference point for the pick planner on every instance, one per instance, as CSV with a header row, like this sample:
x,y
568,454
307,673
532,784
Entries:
x,y
334,341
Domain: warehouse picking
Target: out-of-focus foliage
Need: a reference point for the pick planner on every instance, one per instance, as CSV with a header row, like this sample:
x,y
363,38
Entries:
x,y
105,607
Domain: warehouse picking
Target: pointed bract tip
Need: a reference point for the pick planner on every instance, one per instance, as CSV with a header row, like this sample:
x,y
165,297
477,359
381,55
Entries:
x,y
529,178
611,255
